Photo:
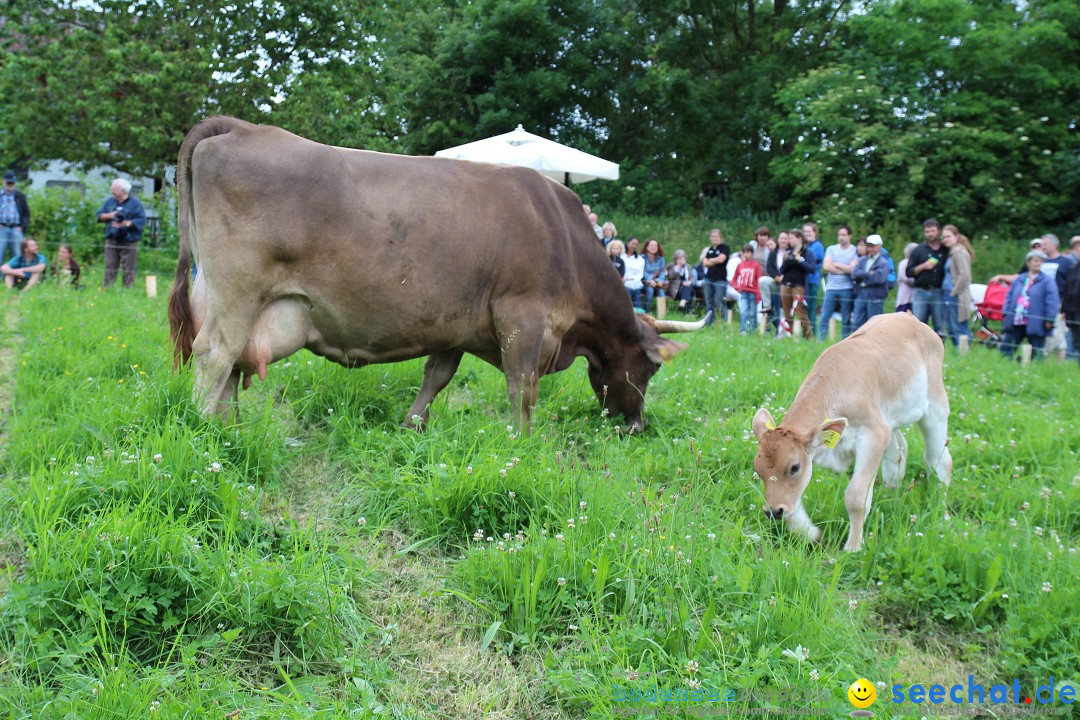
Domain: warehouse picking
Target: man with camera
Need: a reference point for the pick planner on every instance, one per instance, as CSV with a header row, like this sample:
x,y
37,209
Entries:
x,y
124,217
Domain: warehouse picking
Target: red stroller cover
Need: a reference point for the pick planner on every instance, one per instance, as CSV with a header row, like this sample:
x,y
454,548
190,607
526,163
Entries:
x,y
993,302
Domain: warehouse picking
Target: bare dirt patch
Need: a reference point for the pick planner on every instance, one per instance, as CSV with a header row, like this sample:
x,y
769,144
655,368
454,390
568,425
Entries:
x,y
435,644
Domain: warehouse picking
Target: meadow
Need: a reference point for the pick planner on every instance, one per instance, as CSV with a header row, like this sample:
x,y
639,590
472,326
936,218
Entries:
x,y
314,560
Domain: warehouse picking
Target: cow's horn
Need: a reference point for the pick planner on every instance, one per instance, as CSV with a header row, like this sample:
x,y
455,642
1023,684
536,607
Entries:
x,y
674,326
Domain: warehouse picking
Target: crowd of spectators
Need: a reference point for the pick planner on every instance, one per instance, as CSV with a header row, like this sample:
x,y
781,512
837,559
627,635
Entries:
x,y
778,281
124,218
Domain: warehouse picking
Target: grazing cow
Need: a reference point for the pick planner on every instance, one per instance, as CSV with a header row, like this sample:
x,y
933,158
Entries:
x,y
365,257
859,393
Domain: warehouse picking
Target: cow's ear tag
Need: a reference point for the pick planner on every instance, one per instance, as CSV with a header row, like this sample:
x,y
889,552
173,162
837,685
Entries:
x,y
770,425
665,353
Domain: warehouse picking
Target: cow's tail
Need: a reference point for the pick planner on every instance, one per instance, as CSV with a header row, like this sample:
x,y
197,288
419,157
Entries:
x,y
181,323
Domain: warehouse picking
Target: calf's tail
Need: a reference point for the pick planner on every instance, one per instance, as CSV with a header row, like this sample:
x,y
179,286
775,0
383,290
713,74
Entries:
x,y
181,325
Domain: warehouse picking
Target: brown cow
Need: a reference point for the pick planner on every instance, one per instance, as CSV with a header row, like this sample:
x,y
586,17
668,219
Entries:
x,y
365,257
860,392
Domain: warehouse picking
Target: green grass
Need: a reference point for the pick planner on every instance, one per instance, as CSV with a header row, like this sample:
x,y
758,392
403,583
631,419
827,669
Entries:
x,y
315,560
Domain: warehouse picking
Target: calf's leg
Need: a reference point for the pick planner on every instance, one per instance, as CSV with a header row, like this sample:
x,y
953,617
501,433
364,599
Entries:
x,y
894,461
860,491
935,429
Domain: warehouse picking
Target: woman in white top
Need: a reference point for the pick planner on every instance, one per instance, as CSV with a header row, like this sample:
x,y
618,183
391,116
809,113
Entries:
x,y
635,271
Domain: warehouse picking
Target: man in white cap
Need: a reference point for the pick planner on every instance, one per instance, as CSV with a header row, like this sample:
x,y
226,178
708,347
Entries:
x,y
871,279
1036,244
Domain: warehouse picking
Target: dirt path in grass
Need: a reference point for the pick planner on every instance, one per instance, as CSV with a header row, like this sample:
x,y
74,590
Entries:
x,y
9,341
10,551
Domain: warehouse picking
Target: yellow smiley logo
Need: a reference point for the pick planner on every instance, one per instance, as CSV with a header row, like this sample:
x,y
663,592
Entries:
x,y
862,693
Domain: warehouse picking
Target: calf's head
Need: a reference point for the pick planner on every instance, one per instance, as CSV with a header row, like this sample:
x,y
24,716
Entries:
x,y
784,462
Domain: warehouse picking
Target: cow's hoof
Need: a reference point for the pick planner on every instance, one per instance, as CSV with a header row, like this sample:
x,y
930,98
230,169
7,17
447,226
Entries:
x,y
414,422
815,535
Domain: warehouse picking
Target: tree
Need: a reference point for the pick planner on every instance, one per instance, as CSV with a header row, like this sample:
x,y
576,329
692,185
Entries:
x,y
962,110
120,82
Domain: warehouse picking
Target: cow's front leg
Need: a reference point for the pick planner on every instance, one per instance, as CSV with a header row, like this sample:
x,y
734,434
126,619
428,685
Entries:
x,y
860,491
521,340
438,371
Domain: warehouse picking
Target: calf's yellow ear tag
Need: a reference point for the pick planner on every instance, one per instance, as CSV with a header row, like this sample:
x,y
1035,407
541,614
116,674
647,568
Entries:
x,y
770,425
829,438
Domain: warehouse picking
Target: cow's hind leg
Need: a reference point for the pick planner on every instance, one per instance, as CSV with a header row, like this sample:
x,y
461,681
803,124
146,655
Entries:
x,y
216,377
438,371
894,461
860,491
935,429
216,349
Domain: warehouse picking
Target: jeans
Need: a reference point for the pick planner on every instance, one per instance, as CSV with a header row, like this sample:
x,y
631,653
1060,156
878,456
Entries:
x,y
841,300
635,296
1015,335
927,303
865,308
811,305
747,312
952,318
10,239
715,294
648,293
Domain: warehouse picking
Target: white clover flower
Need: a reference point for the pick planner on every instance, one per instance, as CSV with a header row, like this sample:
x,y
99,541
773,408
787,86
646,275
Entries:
x,y
361,521
215,467
1047,587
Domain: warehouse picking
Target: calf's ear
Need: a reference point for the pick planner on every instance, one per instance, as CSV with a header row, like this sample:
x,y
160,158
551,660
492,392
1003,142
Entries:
x,y
762,421
828,433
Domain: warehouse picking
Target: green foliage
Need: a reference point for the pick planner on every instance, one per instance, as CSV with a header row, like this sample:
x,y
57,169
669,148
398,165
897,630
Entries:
x,y
119,83
970,122
870,112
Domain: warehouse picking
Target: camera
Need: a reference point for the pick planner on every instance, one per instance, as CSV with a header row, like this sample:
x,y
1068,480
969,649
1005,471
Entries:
x,y
115,231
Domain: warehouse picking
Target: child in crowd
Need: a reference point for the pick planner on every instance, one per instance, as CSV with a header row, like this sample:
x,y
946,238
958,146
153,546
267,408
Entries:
x,y
747,275
905,288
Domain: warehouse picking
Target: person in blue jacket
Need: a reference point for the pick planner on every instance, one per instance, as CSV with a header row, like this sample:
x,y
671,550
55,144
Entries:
x,y
1031,307
871,279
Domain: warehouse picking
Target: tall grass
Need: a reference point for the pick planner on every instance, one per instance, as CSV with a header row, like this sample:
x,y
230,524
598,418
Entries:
x,y
154,561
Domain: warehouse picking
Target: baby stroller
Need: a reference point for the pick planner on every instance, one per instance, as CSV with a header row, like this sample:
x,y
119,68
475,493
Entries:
x,y
988,309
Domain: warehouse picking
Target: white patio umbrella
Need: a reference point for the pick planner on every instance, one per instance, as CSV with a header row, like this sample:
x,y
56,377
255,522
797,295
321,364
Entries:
x,y
522,148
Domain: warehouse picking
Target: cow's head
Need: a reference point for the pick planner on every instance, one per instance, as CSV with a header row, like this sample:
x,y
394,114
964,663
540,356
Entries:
x,y
784,462
619,378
